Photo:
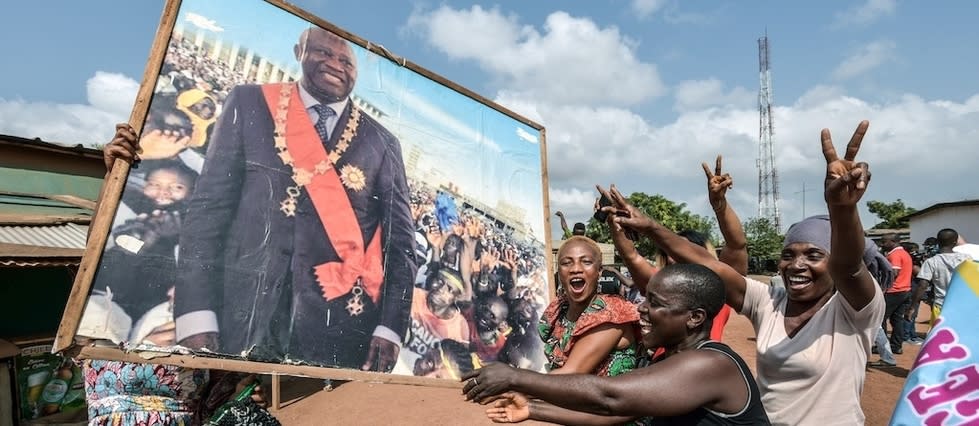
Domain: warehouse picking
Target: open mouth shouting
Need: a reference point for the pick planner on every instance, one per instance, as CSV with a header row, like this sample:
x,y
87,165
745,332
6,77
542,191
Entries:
x,y
577,286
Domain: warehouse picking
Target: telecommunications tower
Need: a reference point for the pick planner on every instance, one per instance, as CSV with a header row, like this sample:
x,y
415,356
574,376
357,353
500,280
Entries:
x,y
767,174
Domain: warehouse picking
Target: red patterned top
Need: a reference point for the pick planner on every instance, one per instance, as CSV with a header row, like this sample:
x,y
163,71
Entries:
x,y
560,335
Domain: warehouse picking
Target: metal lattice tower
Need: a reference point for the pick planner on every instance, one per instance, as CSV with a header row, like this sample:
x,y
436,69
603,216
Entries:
x,y
767,174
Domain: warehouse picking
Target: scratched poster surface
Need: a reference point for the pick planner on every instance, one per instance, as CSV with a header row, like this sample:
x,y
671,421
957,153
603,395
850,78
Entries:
x,y
301,199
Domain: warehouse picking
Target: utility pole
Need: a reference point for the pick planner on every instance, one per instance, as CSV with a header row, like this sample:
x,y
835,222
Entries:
x,y
803,192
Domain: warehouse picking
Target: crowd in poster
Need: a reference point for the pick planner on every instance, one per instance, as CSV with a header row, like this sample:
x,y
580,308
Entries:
x,y
302,200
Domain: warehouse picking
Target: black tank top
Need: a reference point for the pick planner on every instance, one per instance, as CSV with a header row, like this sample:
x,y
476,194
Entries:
x,y
753,412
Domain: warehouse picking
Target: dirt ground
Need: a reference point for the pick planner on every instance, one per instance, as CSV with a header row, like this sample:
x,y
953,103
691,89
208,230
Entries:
x,y
305,403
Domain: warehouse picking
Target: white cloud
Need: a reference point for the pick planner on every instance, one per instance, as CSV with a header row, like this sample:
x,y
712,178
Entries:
x,y
696,94
577,204
569,60
110,100
645,8
202,22
525,135
866,13
593,142
865,59
616,145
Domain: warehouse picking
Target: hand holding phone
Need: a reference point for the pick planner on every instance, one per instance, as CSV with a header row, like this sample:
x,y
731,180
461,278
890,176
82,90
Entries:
x,y
601,215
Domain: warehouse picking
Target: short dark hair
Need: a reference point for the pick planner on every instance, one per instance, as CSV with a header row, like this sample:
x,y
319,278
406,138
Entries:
x,y
947,237
579,229
175,166
698,286
890,236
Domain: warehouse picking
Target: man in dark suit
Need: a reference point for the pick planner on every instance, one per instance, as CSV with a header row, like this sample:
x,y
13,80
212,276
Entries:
x,y
297,242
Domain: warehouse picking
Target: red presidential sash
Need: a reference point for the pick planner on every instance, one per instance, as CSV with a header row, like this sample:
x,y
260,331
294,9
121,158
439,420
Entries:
x,y
298,145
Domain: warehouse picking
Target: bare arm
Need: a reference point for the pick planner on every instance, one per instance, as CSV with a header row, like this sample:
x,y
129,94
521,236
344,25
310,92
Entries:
x,y
679,248
735,250
626,281
707,380
514,407
593,347
123,146
846,182
547,412
564,223
640,269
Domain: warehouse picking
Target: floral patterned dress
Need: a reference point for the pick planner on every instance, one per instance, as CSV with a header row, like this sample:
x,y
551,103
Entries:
x,y
559,334
126,394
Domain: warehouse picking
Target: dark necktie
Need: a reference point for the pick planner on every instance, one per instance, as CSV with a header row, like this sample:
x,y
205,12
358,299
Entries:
x,y
323,113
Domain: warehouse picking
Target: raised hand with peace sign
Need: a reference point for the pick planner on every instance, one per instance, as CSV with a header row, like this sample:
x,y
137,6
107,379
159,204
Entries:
x,y
717,185
846,179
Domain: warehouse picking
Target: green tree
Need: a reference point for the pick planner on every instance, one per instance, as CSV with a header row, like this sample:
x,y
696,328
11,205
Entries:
x,y
764,241
891,214
668,213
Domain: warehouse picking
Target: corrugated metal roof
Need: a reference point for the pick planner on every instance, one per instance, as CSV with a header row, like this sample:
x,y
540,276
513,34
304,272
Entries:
x,y
37,263
69,235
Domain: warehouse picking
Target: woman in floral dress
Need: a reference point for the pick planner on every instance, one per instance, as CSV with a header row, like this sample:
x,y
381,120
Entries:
x,y
125,393
584,331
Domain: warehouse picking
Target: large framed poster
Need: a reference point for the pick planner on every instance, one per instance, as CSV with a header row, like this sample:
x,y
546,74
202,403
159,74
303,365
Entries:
x,y
306,198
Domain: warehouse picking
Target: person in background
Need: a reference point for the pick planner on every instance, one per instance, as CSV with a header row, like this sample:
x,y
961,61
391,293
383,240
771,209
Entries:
x,y
579,228
735,250
936,272
897,298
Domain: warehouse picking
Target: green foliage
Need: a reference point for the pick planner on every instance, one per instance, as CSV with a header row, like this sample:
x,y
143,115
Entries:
x,y
764,241
668,213
890,213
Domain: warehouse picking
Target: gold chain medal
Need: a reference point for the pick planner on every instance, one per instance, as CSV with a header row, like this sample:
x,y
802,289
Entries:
x,y
354,179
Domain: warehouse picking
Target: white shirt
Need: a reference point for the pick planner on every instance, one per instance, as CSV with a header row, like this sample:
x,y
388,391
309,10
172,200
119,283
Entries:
x,y
309,102
815,377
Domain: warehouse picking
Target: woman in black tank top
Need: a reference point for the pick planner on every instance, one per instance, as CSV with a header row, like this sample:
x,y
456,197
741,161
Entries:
x,y
694,381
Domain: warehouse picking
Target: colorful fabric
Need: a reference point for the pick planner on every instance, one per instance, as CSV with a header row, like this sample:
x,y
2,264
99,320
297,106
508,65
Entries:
x,y
130,394
720,320
943,385
427,329
560,335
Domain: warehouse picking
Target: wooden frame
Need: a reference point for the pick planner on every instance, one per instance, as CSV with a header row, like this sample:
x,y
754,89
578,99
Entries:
x,y
116,180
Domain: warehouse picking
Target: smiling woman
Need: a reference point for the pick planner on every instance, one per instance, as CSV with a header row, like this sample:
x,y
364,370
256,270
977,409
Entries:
x,y
584,331
814,335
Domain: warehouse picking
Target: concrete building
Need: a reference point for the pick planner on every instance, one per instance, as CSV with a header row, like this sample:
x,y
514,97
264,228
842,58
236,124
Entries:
x,y
962,216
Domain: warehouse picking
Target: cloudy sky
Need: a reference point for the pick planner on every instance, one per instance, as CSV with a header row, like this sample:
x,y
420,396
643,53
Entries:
x,y
632,92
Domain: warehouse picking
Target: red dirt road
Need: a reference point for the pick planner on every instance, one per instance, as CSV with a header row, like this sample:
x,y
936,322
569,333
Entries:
x,y
370,403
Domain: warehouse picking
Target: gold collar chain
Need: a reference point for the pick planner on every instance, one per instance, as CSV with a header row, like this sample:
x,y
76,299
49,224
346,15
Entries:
x,y
351,176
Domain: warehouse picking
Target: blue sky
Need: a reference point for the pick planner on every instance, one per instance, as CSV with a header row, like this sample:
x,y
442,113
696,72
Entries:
x,y
633,92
